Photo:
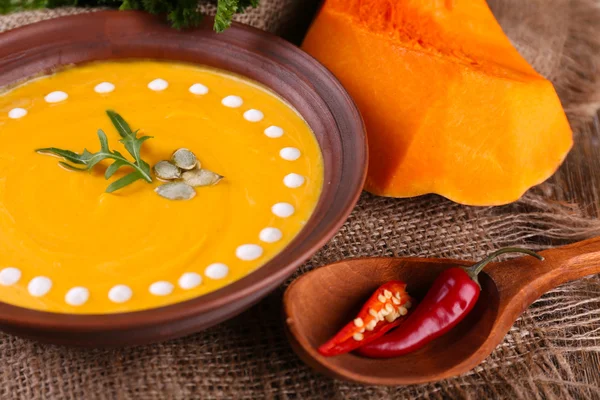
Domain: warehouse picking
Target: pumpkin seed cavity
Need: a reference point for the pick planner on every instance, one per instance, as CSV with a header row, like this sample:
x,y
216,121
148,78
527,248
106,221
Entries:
x,y
176,191
183,173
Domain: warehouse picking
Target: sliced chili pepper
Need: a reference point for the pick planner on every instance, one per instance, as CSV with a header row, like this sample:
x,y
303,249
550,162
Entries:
x,y
451,297
384,310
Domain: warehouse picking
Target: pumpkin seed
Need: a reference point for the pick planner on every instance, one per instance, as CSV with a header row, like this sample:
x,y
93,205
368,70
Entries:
x,y
176,191
201,177
164,170
185,159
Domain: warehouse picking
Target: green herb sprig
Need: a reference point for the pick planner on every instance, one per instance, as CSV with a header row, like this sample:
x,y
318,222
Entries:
x,y
133,145
226,10
181,13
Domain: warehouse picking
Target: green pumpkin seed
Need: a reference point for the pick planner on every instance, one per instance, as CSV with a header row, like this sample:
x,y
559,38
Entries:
x,y
201,177
185,159
166,171
176,191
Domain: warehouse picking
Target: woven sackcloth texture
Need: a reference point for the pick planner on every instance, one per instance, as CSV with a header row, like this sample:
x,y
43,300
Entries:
x,y
553,350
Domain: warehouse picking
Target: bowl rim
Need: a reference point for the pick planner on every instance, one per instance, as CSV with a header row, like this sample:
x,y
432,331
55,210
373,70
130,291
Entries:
x,y
244,39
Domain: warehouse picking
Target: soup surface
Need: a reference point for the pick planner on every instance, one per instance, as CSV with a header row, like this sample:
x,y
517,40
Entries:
x,y
68,246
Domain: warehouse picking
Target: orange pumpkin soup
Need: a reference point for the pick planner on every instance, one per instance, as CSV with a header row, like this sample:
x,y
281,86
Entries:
x,y
68,246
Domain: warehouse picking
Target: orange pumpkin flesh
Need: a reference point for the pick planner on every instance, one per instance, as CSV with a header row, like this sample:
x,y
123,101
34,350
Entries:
x,y
450,106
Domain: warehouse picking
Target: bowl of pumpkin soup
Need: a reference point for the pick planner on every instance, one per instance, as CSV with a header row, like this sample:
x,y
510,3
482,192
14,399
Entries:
x,y
155,182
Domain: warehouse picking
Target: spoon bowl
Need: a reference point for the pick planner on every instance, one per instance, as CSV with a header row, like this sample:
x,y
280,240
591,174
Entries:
x,y
320,302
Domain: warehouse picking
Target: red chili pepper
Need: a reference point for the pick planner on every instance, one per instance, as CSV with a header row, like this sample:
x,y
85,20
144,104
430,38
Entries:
x,y
384,310
451,297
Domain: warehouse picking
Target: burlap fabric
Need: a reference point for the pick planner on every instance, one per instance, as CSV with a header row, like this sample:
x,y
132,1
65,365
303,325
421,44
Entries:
x,y
553,350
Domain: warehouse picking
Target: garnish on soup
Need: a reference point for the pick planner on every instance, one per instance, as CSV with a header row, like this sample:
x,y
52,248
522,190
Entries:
x,y
183,165
133,145
183,173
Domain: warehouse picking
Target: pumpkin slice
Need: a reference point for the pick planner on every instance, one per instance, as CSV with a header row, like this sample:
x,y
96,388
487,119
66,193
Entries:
x,y
450,106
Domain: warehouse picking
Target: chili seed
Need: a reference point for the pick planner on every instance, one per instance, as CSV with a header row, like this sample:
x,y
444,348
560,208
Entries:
x,y
358,322
358,336
372,324
387,294
373,312
403,310
381,298
391,317
408,304
395,301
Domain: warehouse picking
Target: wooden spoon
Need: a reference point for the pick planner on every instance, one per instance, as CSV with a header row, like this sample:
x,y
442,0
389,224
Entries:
x,y
320,302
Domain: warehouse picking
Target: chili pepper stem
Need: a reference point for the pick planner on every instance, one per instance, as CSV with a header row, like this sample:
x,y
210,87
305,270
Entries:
x,y
474,270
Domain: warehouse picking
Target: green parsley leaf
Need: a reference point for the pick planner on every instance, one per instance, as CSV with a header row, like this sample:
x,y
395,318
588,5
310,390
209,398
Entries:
x,y
181,13
225,11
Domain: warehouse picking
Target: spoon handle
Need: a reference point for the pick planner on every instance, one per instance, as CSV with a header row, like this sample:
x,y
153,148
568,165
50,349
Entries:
x,y
528,278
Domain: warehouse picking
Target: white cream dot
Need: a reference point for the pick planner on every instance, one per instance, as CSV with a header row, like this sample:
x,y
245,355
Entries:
x,y
17,113
39,286
161,288
189,280
289,153
56,97
293,180
158,85
253,115
274,132
283,210
77,296
9,276
216,271
104,87
270,235
248,252
232,101
120,294
198,88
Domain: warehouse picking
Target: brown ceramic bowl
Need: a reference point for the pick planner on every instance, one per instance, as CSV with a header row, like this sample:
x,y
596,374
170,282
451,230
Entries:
x,y
295,76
